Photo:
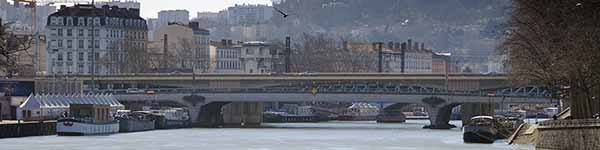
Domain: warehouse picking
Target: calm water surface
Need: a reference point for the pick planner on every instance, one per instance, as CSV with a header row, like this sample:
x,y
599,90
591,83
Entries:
x,y
288,136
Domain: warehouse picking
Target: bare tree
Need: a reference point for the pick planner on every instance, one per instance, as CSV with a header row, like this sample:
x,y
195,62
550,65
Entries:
x,y
10,46
320,53
185,54
554,43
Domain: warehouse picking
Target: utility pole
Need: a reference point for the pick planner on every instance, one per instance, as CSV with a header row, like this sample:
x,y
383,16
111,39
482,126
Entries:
x,y
403,59
288,52
93,48
165,48
379,46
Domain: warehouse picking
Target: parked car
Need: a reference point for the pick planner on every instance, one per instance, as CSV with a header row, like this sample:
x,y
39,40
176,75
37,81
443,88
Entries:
x,y
134,90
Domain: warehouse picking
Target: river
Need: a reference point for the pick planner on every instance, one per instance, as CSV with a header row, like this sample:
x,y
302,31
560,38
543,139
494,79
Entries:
x,y
288,136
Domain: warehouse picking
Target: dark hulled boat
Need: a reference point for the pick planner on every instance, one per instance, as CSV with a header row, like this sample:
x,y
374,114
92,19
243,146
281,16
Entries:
x,y
135,121
481,129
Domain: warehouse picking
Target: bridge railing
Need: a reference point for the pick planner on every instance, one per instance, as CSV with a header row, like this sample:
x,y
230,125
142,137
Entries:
x,y
407,91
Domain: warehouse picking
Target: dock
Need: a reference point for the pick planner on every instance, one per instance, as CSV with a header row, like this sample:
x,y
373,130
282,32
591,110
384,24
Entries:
x,y
13,128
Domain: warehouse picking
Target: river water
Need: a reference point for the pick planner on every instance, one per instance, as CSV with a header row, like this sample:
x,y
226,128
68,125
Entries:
x,y
287,136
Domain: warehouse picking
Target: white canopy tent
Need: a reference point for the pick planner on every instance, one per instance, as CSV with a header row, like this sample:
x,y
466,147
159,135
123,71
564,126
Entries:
x,y
53,106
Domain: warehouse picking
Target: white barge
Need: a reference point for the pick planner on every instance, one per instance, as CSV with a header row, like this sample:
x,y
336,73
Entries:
x,y
87,119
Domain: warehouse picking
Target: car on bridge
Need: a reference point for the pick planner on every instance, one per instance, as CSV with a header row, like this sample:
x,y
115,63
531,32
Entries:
x,y
134,91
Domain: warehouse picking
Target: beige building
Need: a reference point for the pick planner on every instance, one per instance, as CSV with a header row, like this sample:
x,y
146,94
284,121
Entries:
x,y
172,47
182,48
26,61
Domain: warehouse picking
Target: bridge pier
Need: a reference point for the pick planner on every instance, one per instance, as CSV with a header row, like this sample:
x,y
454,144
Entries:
x,y
440,112
439,117
243,114
209,115
392,114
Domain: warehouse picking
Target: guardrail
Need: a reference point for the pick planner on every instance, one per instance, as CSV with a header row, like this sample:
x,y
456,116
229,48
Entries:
x,y
327,90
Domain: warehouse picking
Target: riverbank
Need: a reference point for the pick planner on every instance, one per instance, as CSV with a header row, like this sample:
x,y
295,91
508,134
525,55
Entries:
x,y
333,135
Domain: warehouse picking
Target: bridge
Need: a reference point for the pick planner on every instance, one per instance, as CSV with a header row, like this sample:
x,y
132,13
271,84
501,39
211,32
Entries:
x,y
211,92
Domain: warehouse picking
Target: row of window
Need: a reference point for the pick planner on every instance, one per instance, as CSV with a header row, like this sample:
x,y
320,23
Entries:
x,y
96,32
69,69
70,32
261,51
229,65
81,56
228,54
87,21
81,44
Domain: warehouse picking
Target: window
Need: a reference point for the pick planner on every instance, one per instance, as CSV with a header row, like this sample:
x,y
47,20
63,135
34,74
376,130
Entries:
x,y
96,21
89,57
97,56
249,52
52,43
60,32
69,21
60,20
80,21
89,21
89,70
69,43
53,32
69,32
90,32
80,44
89,43
53,21
80,33
60,43
59,57
97,32
80,67
97,44
69,56
80,57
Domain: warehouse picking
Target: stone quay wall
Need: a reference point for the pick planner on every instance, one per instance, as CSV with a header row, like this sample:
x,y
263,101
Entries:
x,y
581,134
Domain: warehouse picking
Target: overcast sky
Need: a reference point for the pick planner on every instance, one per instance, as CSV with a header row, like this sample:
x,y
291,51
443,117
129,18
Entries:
x,y
150,8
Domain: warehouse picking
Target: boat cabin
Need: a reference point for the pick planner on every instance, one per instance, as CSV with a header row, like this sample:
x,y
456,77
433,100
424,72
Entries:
x,y
94,113
482,120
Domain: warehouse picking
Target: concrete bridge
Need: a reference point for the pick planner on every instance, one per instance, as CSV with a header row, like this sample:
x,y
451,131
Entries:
x,y
208,94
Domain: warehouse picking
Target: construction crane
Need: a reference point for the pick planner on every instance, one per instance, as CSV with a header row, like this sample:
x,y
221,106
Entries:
x,y
33,5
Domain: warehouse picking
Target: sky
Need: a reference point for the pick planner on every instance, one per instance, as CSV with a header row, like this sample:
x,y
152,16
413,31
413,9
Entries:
x,y
150,8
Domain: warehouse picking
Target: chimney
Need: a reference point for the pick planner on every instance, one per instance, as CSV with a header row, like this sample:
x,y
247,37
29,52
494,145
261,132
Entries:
x,y
194,25
134,12
402,61
224,42
345,45
403,46
409,44
422,46
229,42
396,46
391,45
375,46
165,51
416,46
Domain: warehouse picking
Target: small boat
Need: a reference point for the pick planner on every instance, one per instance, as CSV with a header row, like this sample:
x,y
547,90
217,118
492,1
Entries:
x,y
360,112
87,119
481,129
172,118
135,121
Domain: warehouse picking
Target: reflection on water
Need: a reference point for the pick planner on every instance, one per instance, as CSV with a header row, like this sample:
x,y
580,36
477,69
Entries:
x,y
293,136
